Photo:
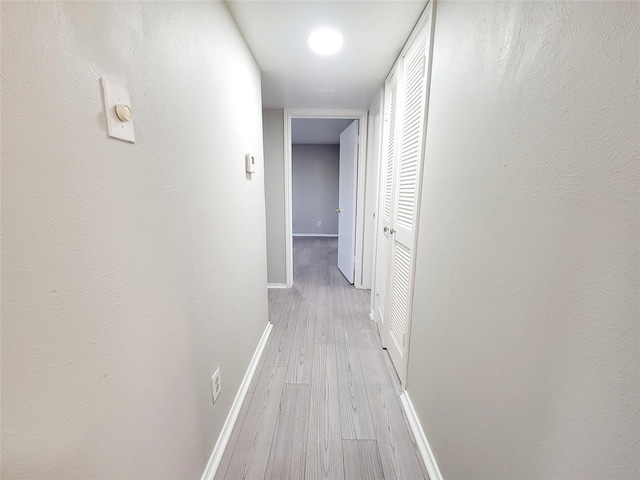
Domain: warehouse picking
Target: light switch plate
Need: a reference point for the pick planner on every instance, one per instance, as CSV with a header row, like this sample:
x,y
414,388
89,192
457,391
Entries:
x,y
216,386
117,95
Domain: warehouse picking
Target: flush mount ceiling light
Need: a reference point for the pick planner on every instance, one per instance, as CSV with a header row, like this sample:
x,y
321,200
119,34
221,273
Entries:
x,y
325,41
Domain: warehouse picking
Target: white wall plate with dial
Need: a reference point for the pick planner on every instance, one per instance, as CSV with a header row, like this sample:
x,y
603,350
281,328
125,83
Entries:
x,y
117,105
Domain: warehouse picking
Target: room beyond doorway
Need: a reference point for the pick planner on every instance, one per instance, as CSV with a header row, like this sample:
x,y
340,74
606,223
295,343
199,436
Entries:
x,y
315,155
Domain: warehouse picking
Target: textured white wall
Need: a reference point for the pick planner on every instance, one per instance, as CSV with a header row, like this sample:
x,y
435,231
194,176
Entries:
x,y
273,125
129,272
524,353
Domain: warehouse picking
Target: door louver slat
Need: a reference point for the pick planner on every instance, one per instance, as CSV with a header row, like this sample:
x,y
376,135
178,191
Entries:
x,y
388,184
400,294
411,139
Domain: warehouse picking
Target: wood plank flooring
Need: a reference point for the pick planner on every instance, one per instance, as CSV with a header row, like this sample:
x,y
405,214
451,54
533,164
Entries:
x,y
324,403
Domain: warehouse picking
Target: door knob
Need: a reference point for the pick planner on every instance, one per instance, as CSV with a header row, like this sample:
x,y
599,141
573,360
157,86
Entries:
x,y
385,229
392,231
338,210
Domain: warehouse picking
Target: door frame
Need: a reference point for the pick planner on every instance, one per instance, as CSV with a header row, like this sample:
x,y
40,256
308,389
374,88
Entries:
x,y
289,115
376,144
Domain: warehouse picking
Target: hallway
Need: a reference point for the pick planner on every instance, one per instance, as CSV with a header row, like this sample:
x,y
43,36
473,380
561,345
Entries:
x,y
324,401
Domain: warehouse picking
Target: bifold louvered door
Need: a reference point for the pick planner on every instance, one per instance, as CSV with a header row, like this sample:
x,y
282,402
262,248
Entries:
x,y
386,201
402,179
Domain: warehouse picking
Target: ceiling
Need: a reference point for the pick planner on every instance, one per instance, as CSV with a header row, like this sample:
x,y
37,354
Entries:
x,y
318,130
294,77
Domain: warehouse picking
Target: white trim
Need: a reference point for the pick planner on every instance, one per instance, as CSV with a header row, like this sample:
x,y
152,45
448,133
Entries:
x,y
289,114
363,135
330,235
372,316
421,438
227,428
277,285
378,150
288,202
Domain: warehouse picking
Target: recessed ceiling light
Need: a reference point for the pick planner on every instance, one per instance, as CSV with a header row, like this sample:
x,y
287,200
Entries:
x,y
325,41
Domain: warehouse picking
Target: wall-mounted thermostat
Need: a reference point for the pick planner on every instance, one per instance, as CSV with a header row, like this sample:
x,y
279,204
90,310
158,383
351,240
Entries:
x,y
250,163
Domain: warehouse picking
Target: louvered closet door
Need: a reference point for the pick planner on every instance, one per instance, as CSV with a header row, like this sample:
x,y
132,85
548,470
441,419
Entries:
x,y
405,197
386,201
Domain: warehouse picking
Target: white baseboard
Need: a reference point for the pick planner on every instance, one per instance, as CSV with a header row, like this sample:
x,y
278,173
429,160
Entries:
x,y
227,428
421,438
276,285
332,235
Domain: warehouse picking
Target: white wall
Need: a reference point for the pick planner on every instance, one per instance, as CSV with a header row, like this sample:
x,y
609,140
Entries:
x,y
317,131
524,345
314,184
273,128
128,270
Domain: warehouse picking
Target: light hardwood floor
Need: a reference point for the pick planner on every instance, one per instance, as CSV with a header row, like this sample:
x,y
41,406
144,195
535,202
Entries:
x,y
324,403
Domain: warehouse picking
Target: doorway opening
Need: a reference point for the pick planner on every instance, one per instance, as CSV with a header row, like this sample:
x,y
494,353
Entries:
x,y
325,153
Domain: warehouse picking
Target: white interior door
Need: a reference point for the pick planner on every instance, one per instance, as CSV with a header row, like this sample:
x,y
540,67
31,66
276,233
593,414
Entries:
x,y
347,200
407,173
386,201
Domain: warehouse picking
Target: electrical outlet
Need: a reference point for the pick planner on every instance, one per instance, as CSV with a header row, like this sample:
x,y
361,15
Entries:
x,y
215,385
319,224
